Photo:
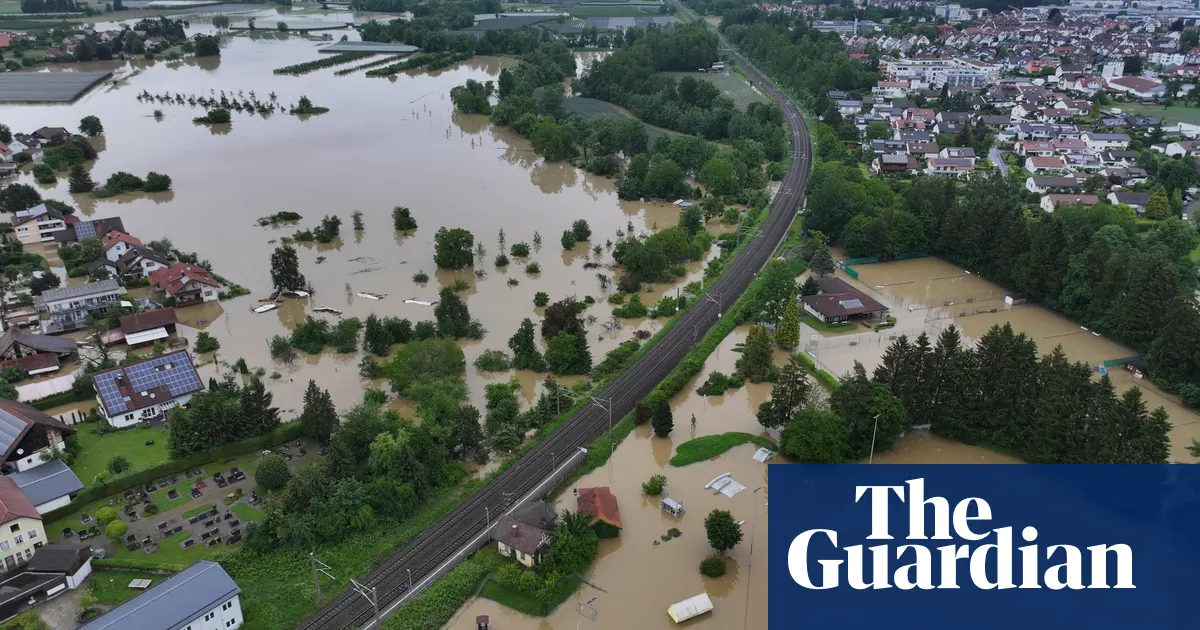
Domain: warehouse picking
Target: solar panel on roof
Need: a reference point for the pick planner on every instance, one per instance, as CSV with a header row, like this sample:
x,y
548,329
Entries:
x,y
10,429
85,229
856,303
172,371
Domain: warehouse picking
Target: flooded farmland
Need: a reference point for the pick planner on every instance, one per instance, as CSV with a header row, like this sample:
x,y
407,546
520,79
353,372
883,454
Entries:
x,y
386,142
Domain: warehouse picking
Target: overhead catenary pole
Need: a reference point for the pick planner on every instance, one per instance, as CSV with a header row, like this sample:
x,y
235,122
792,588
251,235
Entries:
x,y
871,460
606,404
318,568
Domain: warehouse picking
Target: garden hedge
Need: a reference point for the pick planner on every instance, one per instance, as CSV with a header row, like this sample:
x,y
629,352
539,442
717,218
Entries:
x,y
284,433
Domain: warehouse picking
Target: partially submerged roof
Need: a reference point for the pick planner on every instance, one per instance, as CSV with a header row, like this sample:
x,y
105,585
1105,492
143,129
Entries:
x,y
13,503
147,382
41,343
148,320
47,482
16,419
600,504
173,603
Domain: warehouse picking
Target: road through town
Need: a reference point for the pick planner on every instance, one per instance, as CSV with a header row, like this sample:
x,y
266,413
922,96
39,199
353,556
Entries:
x,y
437,548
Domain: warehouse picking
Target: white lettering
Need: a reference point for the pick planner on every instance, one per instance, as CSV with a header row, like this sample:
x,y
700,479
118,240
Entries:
x,y
1073,565
951,554
962,517
1100,566
1003,548
923,566
798,561
916,513
879,508
879,567
1029,559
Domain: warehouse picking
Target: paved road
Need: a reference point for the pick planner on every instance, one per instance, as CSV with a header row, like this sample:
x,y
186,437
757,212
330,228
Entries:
x,y
424,555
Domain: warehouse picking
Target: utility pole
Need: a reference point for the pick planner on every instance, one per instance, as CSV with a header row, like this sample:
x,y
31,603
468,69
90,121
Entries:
x,y
369,594
318,568
487,517
587,610
718,300
873,432
606,404
753,522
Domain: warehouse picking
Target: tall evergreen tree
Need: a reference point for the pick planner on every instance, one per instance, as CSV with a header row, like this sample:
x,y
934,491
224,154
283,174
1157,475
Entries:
x,y
822,261
375,338
861,403
285,269
1174,356
757,360
259,417
80,181
453,318
662,421
319,416
1007,389
523,344
787,334
789,395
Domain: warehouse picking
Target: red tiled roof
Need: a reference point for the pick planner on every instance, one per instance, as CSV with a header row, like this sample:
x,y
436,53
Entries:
x,y
13,503
172,279
157,318
600,504
116,236
35,362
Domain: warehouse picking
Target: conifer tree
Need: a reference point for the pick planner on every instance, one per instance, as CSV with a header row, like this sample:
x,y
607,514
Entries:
x,y
757,356
524,348
787,334
788,396
80,181
662,421
319,416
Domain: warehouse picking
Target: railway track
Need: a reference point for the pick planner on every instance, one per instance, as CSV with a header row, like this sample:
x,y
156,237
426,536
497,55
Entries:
x,y
435,545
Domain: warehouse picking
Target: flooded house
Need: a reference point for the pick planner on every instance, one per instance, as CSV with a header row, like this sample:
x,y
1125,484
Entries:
x,y
839,302
79,229
67,308
144,390
35,354
148,327
37,224
137,262
524,534
601,506
188,284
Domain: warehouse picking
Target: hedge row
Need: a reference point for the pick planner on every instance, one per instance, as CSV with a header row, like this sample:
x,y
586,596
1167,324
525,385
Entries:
x,y
61,398
285,433
136,564
825,378
437,605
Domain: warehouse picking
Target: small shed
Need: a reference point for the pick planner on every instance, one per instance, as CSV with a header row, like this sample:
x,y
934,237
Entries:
x,y
690,608
671,506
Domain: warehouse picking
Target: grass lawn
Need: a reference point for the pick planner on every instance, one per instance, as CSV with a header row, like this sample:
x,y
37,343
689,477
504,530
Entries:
x,y
112,587
97,449
817,324
198,510
517,600
1187,114
247,513
731,85
710,446
184,487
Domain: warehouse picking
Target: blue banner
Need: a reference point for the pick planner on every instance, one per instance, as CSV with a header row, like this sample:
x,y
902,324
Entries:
x,y
980,547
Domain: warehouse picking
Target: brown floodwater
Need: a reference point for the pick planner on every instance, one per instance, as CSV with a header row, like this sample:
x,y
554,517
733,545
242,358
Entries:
x,y
928,294
385,143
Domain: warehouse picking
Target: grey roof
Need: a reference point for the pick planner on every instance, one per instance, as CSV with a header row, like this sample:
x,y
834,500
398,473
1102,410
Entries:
x,y
59,558
11,429
47,482
375,47
173,603
81,290
41,343
47,87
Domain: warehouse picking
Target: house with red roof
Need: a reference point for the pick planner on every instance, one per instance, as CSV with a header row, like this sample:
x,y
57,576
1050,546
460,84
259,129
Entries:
x,y
117,243
188,284
600,504
21,530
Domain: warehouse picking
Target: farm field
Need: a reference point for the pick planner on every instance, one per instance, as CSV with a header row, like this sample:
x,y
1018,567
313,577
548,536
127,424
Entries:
x,y
731,85
590,108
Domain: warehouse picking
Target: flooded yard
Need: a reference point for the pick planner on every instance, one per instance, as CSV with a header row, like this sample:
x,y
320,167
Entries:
x,y
386,142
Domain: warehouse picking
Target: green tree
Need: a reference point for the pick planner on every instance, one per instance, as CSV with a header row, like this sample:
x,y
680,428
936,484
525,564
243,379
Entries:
x,y
787,334
453,317
453,248
1174,356
207,46
5,134
17,197
91,126
568,240
402,219
718,177
157,182
568,353
319,416
106,515
117,465
1159,205
861,403
692,219
551,140
43,174
757,360
722,530
810,286
259,417
822,261
789,394
116,530
663,422
206,343
285,269
523,344
815,436
272,473
581,230
80,181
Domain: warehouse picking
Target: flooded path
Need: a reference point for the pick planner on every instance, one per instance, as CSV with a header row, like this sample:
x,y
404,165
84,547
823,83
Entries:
x,y
385,143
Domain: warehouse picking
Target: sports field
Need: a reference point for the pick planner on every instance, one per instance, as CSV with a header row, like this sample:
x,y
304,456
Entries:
x,y
731,84
1165,115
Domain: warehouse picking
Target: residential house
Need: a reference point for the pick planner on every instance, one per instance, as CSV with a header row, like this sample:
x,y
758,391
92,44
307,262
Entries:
x,y
148,327
524,533
950,167
6,154
1106,141
1041,184
38,224
1069,146
72,562
1046,164
1125,176
138,261
601,506
200,597
839,302
35,354
1050,202
1135,200
913,135
24,143
959,153
67,308
51,134
144,390
995,121
77,229
923,150
21,530
894,164
48,486
1181,148
1138,87
28,437
116,244
848,107
1035,147
888,146
890,89
188,284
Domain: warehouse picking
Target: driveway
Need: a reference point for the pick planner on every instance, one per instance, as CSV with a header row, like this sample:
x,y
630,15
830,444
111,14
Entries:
x,y
59,613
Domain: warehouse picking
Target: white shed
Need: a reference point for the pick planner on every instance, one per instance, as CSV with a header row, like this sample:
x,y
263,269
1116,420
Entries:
x,y
690,607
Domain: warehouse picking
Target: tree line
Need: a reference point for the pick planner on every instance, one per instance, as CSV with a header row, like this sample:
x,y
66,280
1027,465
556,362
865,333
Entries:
x,y
225,413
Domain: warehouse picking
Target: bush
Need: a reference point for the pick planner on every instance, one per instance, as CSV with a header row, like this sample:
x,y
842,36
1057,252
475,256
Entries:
x,y
541,298
43,174
272,473
150,509
206,343
654,485
501,260
581,230
493,361
374,396
533,268
631,309
519,250
116,530
420,277
568,240
712,567
106,515
157,182
117,465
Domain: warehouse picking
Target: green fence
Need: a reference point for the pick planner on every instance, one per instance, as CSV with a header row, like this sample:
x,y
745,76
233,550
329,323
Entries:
x,y
848,264
1122,361
910,255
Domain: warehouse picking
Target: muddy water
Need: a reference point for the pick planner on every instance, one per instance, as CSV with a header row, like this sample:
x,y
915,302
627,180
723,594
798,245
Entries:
x,y
385,142
928,294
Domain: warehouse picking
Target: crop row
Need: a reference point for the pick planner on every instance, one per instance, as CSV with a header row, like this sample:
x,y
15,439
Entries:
x,y
325,62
